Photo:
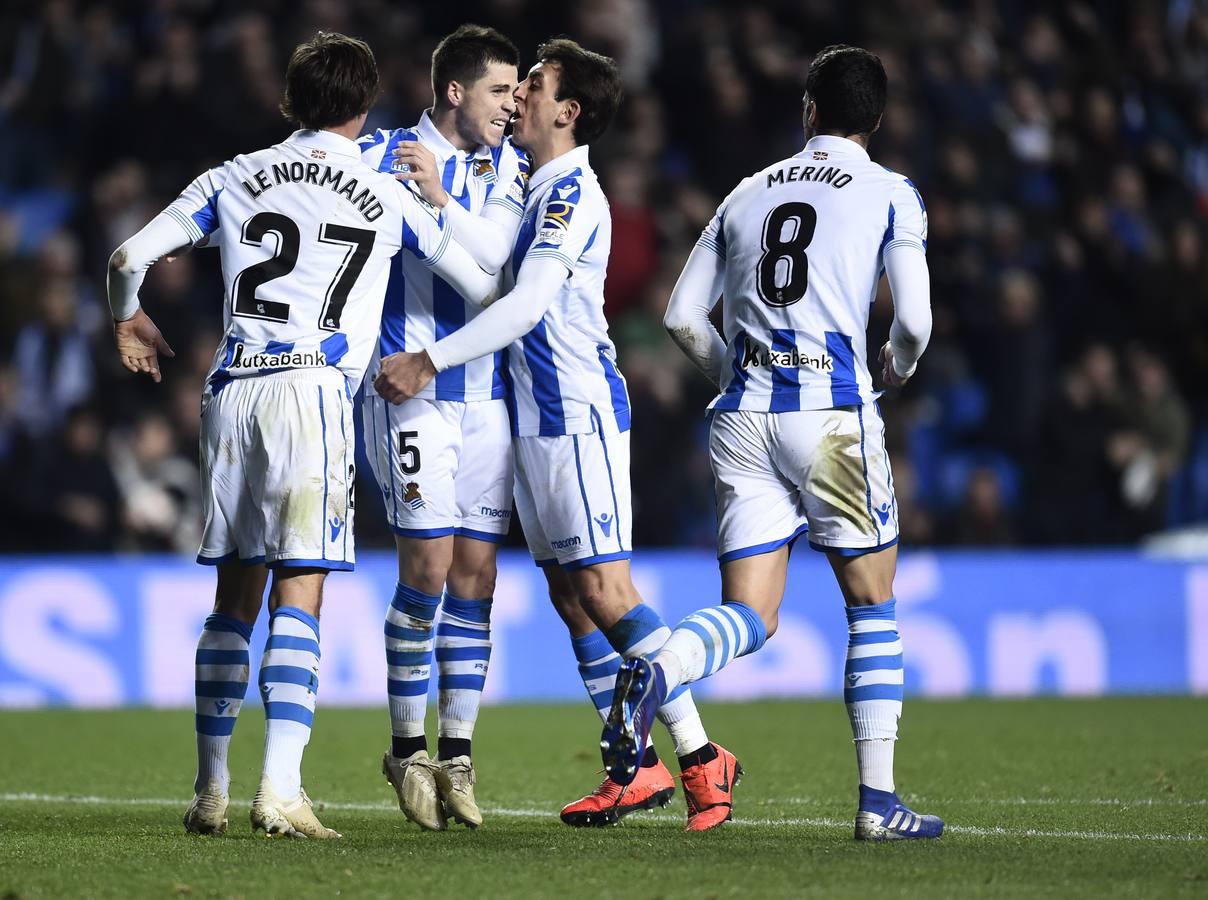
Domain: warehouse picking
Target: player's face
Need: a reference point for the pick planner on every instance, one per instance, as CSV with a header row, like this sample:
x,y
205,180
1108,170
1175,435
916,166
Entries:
x,y
537,106
487,106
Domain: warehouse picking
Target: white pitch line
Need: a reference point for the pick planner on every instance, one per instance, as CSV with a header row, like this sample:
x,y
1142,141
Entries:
x,y
532,813
1015,801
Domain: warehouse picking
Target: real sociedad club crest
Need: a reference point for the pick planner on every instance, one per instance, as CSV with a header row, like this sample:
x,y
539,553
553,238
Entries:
x,y
484,170
412,496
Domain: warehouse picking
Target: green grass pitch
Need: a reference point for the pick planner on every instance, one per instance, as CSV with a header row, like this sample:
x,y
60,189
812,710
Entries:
x,y
1051,798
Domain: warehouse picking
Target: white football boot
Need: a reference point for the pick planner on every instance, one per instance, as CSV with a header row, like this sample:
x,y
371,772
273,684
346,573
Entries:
x,y
455,782
414,780
207,814
293,818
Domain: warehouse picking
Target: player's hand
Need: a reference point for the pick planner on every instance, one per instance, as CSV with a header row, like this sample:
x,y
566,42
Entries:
x,y
403,375
419,168
139,344
888,372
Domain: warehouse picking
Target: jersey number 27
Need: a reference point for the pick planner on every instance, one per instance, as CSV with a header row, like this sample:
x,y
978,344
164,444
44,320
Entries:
x,y
359,242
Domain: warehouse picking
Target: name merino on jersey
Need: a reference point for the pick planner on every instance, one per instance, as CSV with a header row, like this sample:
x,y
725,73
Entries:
x,y
564,373
304,276
803,242
421,307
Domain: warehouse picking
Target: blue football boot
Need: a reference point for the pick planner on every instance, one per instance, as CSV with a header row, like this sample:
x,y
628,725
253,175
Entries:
x,y
639,692
883,817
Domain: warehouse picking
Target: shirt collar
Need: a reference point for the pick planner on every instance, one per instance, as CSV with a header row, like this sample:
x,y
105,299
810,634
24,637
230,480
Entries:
x,y
833,145
439,144
571,159
328,141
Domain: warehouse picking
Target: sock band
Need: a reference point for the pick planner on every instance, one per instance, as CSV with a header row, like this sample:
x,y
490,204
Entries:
x,y
409,636
463,656
873,673
221,673
598,667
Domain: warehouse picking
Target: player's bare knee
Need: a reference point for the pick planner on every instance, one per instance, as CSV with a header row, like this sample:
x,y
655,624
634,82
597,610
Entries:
x,y
476,583
425,572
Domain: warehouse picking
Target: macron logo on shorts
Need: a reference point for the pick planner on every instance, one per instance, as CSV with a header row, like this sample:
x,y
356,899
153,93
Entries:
x,y
566,542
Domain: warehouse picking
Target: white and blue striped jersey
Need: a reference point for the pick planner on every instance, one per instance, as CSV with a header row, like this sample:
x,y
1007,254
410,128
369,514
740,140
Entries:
x,y
802,243
421,307
306,232
564,373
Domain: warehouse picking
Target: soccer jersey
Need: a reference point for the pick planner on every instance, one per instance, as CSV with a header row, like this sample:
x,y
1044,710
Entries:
x,y
306,232
803,243
421,307
564,373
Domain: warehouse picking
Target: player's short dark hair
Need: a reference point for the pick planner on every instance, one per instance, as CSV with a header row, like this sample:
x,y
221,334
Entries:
x,y
331,79
848,86
590,78
463,56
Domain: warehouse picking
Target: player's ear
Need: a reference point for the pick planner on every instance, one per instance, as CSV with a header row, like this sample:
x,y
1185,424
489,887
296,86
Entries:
x,y
570,112
811,114
454,94
878,125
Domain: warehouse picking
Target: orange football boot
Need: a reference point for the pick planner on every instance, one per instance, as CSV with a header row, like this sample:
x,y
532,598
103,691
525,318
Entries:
x,y
653,786
709,790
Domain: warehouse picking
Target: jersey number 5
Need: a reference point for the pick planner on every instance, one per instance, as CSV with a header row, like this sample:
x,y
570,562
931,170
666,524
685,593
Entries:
x,y
359,242
782,275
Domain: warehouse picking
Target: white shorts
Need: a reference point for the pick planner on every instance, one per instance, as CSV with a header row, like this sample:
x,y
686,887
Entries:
x,y
572,495
779,475
277,471
443,467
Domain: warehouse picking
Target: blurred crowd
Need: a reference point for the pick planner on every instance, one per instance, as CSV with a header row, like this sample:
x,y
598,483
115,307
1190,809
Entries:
x,y
1062,150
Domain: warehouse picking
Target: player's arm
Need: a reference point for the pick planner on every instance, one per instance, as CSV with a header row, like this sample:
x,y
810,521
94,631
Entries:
x,y
427,235
514,315
905,259
189,220
687,318
489,236
562,238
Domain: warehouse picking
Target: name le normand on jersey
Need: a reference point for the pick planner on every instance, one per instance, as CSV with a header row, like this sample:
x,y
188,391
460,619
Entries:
x,y
321,176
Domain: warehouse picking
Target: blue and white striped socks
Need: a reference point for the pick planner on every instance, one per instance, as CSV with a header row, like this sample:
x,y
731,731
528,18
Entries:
x,y
598,667
641,632
409,642
289,686
709,640
463,654
872,689
220,684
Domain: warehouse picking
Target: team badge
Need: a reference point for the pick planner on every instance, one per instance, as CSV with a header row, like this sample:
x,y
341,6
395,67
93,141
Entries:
x,y
412,496
484,170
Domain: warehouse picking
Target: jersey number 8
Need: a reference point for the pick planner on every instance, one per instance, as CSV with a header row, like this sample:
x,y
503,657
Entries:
x,y
782,275
359,242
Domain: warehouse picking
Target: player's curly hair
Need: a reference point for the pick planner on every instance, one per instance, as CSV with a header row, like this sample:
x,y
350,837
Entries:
x,y
588,77
848,86
331,79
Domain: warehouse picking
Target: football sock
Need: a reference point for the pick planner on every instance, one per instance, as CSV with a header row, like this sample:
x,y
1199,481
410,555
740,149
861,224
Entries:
x,y
641,632
220,684
409,640
402,747
705,754
289,685
708,640
451,748
872,689
463,653
598,667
